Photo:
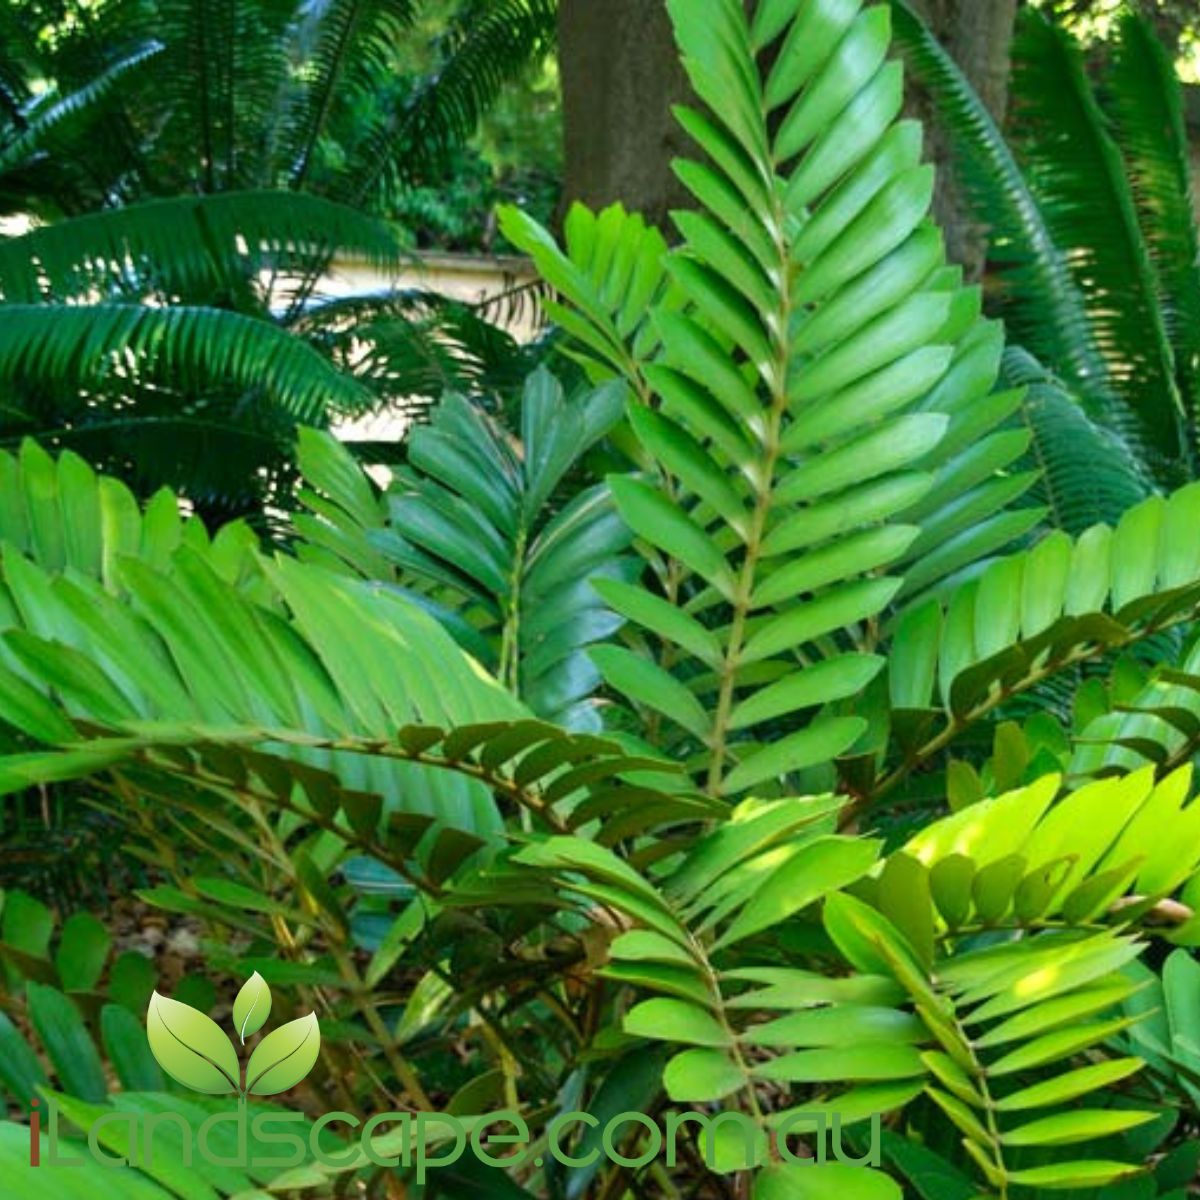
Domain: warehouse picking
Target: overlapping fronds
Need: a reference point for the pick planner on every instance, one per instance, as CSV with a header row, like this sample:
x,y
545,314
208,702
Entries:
x,y
488,45
817,386
1009,1039
1147,104
1086,196
478,522
1087,473
1046,310
160,652
1090,219
350,46
410,346
219,89
1028,616
51,117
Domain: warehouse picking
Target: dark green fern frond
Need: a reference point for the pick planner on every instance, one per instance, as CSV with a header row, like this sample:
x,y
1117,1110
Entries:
x,y
348,46
410,346
488,46
1147,102
1084,192
187,349
1044,308
216,91
56,118
1086,474
230,455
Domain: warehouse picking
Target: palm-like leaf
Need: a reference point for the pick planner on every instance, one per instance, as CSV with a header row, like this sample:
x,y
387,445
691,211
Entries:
x,y
998,1036
1147,103
409,346
1087,475
1031,615
1044,307
1088,202
1091,219
352,47
54,118
107,344
269,676
487,46
477,522
193,246
818,387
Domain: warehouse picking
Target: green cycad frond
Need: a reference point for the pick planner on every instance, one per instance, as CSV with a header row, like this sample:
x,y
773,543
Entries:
x,y
55,118
610,278
187,349
955,658
818,393
1147,102
1088,202
1048,313
134,649
217,89
1159,724
349,45
198,246
1087,475
487,46
998,1034
231,455
411,345
477,525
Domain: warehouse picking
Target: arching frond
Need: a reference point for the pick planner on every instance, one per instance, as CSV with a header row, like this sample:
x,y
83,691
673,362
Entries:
x,y
1086,474
482,521
184,348
348,45
190,246
56,116
488,45
410,346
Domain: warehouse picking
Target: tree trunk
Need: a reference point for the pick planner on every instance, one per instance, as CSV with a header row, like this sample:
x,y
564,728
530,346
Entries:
x,y
620,77
978,34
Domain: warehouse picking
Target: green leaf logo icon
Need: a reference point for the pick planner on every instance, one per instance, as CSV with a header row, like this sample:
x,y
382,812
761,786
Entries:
x,y
191,1048
284,1057
252,1006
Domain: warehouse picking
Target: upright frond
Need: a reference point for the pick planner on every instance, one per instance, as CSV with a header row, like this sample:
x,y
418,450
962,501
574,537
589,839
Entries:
x,y
1079,176
1147,101
1043,305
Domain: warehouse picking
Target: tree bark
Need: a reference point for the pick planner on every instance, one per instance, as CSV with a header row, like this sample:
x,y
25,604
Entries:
x,y
620,76
978,34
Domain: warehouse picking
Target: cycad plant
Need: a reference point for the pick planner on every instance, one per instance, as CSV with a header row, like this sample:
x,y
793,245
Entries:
x,y
718,872
194,173
1089,204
